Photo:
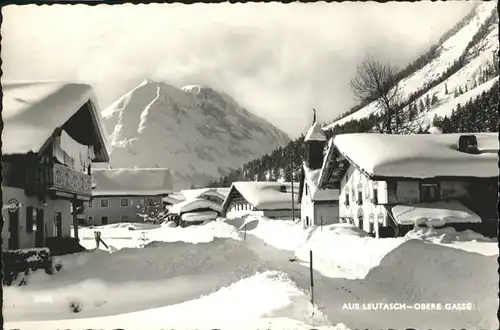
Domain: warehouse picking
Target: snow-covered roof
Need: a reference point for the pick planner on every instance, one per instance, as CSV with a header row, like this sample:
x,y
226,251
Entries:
x,y
197,193
436,214
311,179
173,198
419,156
315,133
265,195
32,111
132,182
193,205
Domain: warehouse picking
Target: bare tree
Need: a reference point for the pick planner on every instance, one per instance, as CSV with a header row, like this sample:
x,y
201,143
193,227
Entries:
x,y
377,81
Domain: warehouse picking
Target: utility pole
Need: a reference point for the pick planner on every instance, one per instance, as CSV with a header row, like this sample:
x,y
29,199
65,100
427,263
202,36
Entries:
x,y
293,194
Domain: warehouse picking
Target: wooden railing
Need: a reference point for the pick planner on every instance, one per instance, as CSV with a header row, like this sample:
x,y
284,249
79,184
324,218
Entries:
x,y
58,178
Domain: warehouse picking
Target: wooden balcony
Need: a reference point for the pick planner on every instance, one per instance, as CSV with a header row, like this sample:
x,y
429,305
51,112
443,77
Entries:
x,y
60,181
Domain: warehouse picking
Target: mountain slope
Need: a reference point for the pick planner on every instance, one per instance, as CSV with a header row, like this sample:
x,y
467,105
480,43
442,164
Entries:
x,y
455,48
197,132
463,68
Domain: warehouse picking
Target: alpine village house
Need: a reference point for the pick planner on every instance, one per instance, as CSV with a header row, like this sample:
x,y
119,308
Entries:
x,y
52,132
391,183
317,206
127,195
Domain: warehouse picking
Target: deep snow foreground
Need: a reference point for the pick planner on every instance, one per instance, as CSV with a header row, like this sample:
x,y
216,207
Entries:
x,y
131,279
271,300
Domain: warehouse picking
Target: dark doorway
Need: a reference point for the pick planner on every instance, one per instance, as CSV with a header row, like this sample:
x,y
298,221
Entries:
x,y
14,230
104,220
40,228
59,224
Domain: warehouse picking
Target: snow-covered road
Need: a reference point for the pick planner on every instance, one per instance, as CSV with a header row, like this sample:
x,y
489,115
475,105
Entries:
x,y
383,285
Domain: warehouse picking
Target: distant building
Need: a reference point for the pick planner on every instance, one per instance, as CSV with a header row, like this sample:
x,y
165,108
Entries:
x,y
317,206
52,132
127,195
389,183
269,199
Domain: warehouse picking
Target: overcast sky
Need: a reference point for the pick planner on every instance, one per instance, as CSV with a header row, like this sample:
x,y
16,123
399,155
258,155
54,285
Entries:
x,y
277,60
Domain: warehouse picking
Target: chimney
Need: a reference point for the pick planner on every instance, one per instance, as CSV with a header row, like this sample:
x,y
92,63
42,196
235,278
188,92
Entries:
x,y
468,144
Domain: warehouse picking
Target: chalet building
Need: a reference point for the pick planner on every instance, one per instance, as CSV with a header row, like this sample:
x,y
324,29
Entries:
x,y
317,206
390,183
269,199
127,195
52,132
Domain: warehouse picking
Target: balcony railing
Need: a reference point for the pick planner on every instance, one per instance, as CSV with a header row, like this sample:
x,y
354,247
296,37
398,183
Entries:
x,y
58,178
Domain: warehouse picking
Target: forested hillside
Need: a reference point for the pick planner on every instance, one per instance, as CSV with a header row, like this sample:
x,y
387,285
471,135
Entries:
x,y
463,97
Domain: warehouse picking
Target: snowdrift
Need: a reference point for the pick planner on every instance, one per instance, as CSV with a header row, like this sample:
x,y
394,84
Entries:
x,y
199,216
419,272
100,283
272,300
344,251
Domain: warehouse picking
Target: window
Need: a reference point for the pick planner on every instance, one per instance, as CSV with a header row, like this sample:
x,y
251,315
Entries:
x,y
429,192
124,202
90,203
375,195
360,197
104,220
346,198
91,221
104,203
124,218
307,221
283,189
150,202
30,214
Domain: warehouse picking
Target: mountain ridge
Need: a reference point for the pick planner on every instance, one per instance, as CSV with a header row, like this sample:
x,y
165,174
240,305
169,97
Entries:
x,y
195,131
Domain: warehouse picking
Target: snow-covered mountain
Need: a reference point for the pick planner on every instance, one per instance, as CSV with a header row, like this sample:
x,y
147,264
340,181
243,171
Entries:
x,y
464,44
200,134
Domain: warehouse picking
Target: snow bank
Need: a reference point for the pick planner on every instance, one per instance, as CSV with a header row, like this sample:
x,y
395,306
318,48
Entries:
x,y
271,301
418,272
132,279
434,214
466,240
344,251
430,155
118,236
446,235
282,234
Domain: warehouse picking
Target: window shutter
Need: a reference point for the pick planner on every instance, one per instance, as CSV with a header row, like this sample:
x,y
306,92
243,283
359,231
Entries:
x,y
29,219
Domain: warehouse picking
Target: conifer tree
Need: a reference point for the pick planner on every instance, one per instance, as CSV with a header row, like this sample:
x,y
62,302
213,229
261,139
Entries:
x,y
421,106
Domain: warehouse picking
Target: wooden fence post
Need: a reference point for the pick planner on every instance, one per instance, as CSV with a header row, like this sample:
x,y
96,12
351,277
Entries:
x,y
311,276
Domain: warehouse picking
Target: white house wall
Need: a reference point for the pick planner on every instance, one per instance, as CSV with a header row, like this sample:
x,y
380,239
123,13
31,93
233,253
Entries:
x,y
352,182
116,213
50,207
306,207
